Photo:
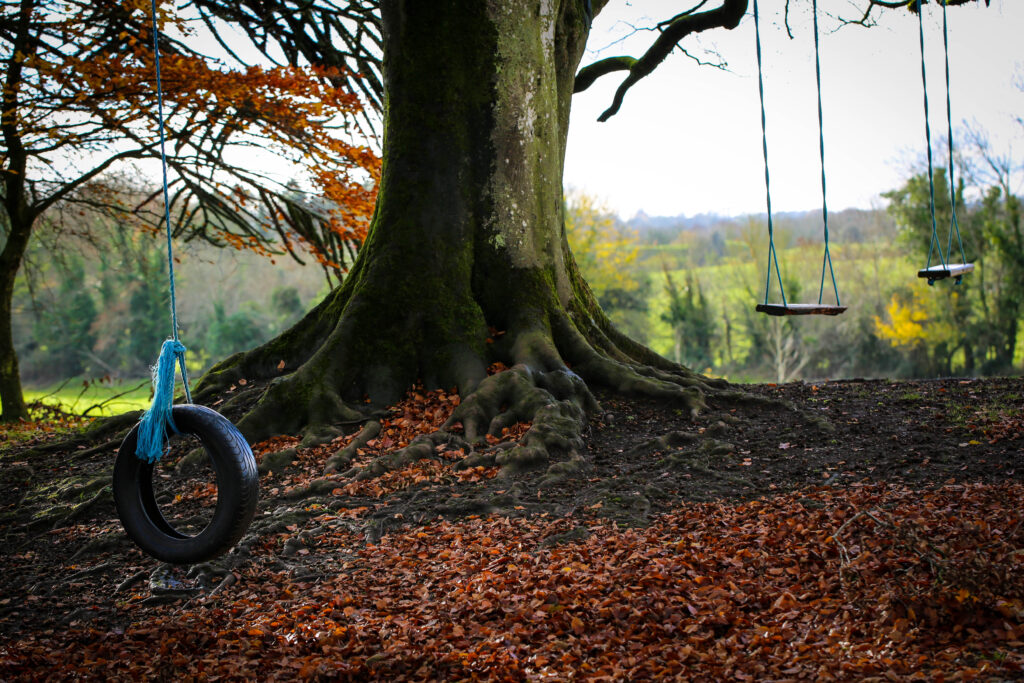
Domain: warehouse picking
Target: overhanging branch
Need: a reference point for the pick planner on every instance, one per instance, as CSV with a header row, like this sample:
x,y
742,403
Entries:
x,y
590,73
728,15
866,20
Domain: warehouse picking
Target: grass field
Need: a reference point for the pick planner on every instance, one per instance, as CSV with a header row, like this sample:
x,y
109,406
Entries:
x,y
93,398
867,275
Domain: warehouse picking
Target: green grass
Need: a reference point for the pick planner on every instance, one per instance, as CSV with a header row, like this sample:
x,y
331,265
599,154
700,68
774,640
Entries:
x,y
93,398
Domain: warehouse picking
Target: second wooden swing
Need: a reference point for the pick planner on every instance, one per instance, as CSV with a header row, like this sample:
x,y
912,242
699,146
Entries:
x,y
945,268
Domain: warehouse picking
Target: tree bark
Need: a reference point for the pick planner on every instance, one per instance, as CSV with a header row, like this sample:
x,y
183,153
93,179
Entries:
x,y
19,216
466,263
11,397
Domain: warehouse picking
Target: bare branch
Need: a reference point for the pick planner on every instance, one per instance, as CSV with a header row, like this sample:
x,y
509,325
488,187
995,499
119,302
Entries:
x,y
728,15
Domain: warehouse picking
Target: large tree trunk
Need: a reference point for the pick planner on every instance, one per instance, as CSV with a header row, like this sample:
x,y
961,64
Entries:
x,y
466,263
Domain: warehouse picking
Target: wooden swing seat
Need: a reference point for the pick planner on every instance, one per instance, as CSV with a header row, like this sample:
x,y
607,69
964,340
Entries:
x,y
941,272
800,309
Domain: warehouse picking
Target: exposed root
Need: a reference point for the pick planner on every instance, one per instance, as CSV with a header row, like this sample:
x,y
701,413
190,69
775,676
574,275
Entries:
x,y
542,391
666,442
553,356
629,376
343,458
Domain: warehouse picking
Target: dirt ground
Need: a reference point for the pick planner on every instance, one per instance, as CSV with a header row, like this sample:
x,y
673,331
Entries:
x,y
66,561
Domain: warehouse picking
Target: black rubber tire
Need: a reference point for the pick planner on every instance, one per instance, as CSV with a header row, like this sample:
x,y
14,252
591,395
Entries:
x,y
237,491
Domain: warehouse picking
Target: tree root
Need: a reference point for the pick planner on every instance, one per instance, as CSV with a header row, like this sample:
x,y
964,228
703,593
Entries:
x,y
556,402
552,355
343,458
98,545
102,428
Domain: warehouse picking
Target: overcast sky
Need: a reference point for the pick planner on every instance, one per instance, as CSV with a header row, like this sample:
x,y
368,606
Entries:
x,y
688,139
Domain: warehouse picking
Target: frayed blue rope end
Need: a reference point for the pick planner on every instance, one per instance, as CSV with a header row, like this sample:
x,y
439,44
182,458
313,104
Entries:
x,y
154,423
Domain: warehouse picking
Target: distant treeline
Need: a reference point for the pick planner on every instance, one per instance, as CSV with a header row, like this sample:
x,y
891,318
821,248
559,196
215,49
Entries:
x,y
92,300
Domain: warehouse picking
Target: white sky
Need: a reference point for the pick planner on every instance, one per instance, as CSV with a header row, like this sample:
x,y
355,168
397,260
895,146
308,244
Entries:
x,y
688,138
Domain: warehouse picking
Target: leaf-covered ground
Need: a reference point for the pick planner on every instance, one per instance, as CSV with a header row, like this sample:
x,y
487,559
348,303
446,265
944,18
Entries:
x,y
844,531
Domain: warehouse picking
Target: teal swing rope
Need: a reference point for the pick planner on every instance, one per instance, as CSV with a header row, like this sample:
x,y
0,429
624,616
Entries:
x,y
954,224
772,253
934,246
772,256
827,258
155,421
928,143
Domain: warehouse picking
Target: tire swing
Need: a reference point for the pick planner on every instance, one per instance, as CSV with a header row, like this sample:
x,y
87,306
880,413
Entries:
x,y
237,490
945,268
787,308
232,460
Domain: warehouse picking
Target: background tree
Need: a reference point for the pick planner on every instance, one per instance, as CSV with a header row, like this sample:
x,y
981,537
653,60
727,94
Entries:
x,y
943,316
78,100
1000,218
64,329
692,321
998,221
971,327
607,256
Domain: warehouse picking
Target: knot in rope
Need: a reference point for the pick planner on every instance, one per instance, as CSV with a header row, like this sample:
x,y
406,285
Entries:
x,y
156,420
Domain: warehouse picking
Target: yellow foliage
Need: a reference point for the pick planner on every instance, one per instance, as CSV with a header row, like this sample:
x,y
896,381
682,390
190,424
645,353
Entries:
x,y
907,321
926,318
604,250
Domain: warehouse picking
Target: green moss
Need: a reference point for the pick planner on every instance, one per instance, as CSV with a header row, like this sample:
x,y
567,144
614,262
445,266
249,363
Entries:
x,y
67,489
278,461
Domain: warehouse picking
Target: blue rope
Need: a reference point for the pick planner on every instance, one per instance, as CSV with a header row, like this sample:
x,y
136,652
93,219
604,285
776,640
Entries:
x,y
772,256
954,224
827,258
156,420
928,141
153,425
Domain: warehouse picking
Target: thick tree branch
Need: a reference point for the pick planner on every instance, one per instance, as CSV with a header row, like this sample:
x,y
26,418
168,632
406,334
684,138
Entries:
x,y
728,15
865,19
590,73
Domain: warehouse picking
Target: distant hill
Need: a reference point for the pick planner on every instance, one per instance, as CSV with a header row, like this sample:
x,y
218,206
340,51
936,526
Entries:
x,y
848,225
702,222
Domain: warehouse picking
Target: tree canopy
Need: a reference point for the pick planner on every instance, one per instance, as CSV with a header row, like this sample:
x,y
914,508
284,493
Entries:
x,y
79,100
80,97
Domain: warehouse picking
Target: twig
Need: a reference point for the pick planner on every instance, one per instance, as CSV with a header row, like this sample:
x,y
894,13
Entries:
x,y
936,558
103,403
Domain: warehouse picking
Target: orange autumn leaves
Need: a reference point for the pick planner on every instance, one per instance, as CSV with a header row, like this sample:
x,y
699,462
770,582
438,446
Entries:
x,y
88,89
715,591
419,413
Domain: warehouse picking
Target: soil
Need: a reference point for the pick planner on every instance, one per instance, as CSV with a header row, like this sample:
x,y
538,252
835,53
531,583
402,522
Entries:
x,y
67,562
